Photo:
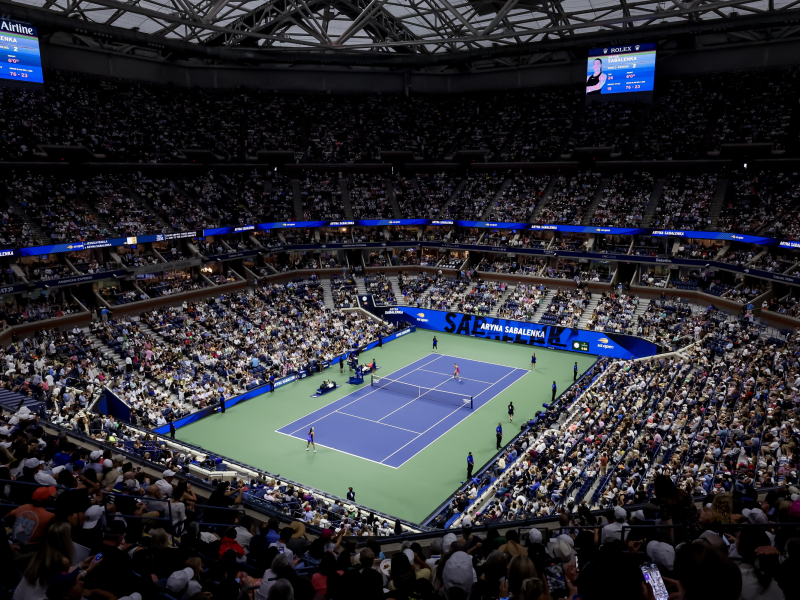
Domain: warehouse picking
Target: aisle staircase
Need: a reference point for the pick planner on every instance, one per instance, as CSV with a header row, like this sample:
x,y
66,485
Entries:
x,y
717,201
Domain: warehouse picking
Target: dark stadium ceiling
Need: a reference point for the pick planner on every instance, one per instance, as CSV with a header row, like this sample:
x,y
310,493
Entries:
x,y
401,33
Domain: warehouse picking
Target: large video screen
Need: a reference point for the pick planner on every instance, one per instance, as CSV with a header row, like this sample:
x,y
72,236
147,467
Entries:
x,y
621,69
19,53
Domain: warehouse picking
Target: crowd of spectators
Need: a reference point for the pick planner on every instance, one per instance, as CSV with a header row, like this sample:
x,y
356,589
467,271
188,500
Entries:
x,y
473,198
517,202
624,200
424,195
368,197
678,121
761,202
566,307
321,197
569,199
756,108
685,201
605,124
523,302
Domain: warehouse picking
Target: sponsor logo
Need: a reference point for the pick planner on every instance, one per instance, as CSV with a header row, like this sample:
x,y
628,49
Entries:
x,y
244,228
637,46
604,343
663,260
6,253
402,333
285,380
363,298
605,50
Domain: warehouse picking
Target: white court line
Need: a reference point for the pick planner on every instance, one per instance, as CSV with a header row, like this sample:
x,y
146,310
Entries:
x,y
481,361
445,432
415,399
424,432
451,377
371,421
337,450
349,403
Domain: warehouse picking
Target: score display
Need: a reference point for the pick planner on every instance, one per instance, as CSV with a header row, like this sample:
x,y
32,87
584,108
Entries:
x,y
621,69
19,53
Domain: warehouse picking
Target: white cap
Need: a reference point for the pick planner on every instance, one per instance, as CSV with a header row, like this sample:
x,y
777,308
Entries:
x,y
92,516
620,513
179,579
662,554
755,515
96,454
535,536
32,463
168,473
447,541
107,463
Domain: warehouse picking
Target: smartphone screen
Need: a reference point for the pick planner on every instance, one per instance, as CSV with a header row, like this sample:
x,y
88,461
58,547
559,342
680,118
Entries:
x,y
554,573
653,577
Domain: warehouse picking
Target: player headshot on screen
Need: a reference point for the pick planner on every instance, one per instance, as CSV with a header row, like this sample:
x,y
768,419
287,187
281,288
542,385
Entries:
x,y
596,80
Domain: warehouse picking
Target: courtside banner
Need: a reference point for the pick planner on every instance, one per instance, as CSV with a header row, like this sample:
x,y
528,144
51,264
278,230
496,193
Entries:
x,y
532,334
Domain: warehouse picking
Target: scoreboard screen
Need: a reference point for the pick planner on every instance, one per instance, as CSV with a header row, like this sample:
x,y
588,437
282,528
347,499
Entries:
x,y
621,69
19,53
580,346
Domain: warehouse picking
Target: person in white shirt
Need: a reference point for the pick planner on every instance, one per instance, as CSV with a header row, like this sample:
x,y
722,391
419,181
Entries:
x,y
280,564
612,531
165,484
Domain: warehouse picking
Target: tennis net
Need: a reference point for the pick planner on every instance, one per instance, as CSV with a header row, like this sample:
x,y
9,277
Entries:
x,y
417,391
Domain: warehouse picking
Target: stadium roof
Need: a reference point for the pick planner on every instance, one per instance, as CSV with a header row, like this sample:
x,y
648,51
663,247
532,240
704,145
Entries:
x,y
424,29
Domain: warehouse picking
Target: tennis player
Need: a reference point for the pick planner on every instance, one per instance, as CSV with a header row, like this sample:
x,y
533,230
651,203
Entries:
x,y
456,372
310,440
435,344
510,412
533,361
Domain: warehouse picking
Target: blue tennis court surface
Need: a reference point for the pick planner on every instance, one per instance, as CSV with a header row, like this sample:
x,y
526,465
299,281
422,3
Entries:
x,y
390,428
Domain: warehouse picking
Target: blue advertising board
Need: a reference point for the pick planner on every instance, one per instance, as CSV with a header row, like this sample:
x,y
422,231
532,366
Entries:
x,y
532,334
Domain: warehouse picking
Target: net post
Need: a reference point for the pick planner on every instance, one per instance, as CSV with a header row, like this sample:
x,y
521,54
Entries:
x,y
471,406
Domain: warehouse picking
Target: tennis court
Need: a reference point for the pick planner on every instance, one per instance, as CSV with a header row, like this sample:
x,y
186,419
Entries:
x,y
247,432
397,416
